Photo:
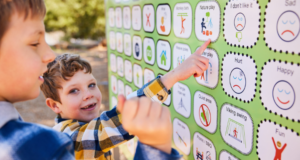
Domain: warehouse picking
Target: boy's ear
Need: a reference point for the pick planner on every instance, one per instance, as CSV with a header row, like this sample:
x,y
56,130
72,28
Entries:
x,y
53,105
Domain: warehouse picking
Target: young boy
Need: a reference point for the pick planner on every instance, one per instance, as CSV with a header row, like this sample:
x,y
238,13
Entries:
x,y
24,56
71,92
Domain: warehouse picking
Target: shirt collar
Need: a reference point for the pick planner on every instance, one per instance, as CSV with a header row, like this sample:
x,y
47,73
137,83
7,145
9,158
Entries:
x,y
58,120
8,112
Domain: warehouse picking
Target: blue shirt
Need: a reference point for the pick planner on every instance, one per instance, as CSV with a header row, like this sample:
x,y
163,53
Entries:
x,y
22,140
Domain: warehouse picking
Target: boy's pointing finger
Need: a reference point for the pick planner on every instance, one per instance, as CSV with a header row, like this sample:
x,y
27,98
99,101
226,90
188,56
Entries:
x,y
121,101
130,109
203,47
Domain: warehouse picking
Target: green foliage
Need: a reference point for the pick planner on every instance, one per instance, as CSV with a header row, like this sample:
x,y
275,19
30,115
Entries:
x,y
77,18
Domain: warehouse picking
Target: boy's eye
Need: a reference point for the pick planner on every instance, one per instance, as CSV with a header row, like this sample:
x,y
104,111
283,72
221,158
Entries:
x,y
92,85
73,91
35,44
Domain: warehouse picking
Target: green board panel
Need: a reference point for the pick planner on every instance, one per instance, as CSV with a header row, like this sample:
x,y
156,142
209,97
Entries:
x,y
246,105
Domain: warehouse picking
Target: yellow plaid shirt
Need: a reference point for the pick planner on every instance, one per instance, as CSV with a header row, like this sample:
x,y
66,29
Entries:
x,y
94,139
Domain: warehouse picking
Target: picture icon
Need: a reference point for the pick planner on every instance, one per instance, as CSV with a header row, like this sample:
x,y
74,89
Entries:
x,y
205,115
162,26
236,131
126,19
181,105
239,21
137,78
288,26
208,155
163,57
148,19
180,59
237,80
206,25
278,149
239,24
207,72
137,49
199,155
283,95
181,140
181,15
149,53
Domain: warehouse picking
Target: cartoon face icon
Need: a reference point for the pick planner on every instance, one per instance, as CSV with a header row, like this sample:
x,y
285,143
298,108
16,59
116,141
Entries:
x,y
288,26
284,95
237,80
239,21
279,144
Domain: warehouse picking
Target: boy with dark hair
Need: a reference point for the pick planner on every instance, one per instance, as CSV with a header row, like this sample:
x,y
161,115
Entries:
x,y
24,56
71,92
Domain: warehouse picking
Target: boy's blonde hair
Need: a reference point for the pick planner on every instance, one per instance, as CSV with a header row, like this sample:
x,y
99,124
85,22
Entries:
x,y
62,68
24,7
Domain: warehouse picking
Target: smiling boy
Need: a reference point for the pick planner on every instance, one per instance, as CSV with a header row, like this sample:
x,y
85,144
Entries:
x,y
24,56
71,91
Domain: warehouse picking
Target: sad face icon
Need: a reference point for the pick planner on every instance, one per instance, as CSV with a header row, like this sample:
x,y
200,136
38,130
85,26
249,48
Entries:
x,y
288,26
283,95
237,80
239,21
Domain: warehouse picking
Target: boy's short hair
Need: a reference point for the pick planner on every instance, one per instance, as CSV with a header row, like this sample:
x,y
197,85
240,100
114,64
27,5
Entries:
x,y
25,7
62,68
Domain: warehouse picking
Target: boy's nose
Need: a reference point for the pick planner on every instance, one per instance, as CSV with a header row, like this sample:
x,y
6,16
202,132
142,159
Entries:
x,y
88,95
48,55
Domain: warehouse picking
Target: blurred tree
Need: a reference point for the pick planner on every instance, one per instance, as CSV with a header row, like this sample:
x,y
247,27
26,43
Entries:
x,y
77,18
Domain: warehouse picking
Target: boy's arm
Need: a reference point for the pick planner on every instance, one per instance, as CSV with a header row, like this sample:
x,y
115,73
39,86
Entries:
x,y
159,88
146,119
194,65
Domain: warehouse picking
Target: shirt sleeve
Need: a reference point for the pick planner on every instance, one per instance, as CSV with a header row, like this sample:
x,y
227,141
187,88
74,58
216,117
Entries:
x,y
65,153
92,140
154,90
145,152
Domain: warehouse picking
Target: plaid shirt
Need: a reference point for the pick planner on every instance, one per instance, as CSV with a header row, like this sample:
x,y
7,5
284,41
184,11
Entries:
x,y
22,140
93,140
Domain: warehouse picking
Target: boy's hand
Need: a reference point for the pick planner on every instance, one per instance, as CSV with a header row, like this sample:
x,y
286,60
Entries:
x,y
147,120
194,65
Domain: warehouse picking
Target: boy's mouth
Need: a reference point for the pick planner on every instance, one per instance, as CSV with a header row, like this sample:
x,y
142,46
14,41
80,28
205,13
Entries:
x,y
89,107
41,78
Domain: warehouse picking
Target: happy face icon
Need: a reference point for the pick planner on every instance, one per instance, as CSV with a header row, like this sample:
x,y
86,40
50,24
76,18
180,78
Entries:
x,y
239,21
237,80
283,95
288,26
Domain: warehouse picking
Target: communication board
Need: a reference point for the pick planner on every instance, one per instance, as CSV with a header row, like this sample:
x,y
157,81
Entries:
x,y
247,104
